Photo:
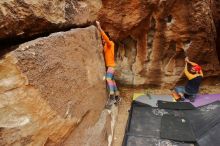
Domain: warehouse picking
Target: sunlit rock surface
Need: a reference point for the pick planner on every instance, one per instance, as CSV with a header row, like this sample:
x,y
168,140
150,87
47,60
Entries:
x,y
52,91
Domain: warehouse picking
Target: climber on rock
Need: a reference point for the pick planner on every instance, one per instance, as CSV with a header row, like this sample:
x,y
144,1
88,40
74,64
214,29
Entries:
x,y
110,64
194,74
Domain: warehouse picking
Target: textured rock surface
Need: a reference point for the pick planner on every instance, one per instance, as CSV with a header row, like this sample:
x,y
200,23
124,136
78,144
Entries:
x,y
24,18
154,36
216,16
52,92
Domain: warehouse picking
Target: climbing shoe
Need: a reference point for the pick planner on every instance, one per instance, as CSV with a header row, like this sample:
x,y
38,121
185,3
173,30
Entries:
x,y
191,99
176,96
118,99
110,102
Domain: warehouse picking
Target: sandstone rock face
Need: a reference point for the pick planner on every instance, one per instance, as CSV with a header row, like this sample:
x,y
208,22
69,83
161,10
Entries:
x,y
216,16
25,18
52,92
153,38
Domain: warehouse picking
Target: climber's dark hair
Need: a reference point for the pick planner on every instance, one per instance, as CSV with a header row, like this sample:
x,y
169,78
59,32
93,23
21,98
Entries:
x,y
189,68
107,33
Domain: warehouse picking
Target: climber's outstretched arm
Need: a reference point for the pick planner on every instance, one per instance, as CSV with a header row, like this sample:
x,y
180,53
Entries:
x,y
190,62
104,36
98,26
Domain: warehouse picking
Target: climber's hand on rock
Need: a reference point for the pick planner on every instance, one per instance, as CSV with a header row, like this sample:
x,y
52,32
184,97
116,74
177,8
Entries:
x,y
98,25
97,22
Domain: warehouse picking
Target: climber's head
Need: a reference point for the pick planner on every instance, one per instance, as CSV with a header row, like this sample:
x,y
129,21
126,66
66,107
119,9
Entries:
x,y
107,33
195,69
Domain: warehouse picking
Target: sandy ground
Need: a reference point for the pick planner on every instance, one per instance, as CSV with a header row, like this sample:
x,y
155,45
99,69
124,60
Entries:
x,y
124,106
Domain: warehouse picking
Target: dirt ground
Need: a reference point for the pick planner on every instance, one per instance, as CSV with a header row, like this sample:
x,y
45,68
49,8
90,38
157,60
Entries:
x,y
124,106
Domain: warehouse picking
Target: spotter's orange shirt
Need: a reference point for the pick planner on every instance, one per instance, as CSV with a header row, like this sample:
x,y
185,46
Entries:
x,y
109,50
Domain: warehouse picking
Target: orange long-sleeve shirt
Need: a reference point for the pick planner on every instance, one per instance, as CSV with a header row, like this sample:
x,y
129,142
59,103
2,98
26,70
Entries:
x,y
109,50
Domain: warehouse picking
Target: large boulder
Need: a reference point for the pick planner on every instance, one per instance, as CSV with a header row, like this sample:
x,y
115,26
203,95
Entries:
x,y
52,91
153,38
26,18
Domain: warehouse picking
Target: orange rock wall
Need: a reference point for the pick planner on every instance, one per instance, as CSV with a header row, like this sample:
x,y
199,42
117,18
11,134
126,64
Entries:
x,y
153,38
